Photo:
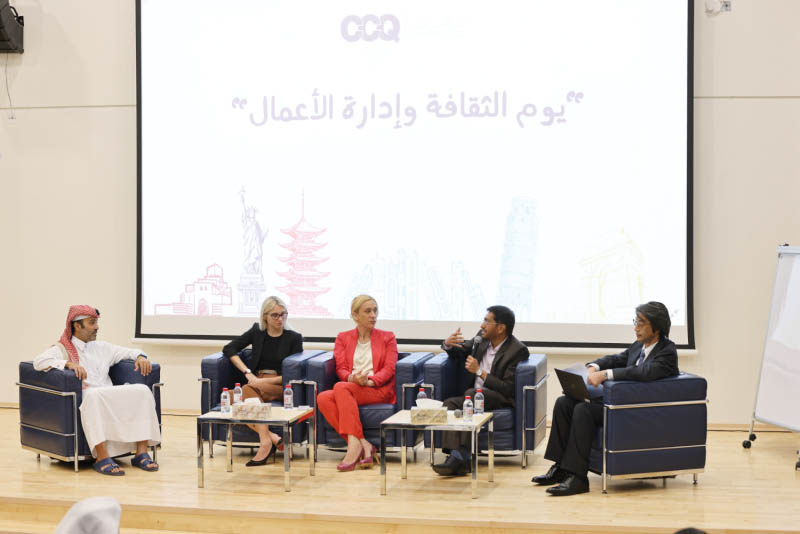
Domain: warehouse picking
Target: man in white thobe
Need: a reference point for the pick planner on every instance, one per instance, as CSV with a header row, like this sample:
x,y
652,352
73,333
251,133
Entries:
x,y
115,419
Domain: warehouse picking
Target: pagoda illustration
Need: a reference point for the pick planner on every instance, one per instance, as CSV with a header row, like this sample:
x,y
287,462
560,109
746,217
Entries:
x,y
303,275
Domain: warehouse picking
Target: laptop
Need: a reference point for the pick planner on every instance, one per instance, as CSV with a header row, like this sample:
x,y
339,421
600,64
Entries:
x,y
573,382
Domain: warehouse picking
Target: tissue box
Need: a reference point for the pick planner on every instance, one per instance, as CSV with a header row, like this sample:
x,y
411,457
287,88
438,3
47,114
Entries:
x,y
251,411
428,416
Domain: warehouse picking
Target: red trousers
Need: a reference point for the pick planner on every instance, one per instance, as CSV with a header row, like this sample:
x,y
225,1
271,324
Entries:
x,y
340,405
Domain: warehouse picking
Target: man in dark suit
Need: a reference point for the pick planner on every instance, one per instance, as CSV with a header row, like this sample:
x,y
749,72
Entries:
x,y
574,425
492,357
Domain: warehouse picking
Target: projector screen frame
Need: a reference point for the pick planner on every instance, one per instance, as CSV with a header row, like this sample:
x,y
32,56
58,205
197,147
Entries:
x,y
139,335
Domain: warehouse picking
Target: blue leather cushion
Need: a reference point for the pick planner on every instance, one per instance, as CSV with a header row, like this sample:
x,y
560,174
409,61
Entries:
x,y
451,380
294,368
672,389
373,414
653,427
45,410
529,373
503,419
645,428
503,440
409,370
322,370
60,380
124,373
655,461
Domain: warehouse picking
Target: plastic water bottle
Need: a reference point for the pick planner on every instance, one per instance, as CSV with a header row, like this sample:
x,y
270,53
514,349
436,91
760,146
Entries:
x,y
479,402
237,394
422,394
467,409
288,397
225,401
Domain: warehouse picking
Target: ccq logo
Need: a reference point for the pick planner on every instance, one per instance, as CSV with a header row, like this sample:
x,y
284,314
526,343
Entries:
x,y
370,27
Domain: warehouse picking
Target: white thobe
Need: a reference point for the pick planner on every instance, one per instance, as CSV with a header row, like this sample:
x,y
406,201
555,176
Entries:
x,y
117,415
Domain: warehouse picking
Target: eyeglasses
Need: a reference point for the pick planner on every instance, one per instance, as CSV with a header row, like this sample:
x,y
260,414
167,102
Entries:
x,y
640,322
277,316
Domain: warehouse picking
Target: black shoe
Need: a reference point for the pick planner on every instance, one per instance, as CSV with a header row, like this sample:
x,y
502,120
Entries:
x,y
452,467
555,475
255,463
572,485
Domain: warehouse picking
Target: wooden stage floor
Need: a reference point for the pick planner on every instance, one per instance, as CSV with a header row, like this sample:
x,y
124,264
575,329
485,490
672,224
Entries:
x,y
756,490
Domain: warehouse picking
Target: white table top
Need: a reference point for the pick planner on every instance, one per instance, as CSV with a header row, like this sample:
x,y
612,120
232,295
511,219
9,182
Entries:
x,y
278,415
403,418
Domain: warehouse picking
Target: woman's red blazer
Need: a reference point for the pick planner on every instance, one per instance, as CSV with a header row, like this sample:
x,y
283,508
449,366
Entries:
x,y
384,356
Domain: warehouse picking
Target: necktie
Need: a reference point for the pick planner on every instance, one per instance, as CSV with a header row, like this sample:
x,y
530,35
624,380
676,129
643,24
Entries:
x,y
641,358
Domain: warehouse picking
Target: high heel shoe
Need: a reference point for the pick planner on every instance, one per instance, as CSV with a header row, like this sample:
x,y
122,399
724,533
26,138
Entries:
x,y
255,463
367,461
351,467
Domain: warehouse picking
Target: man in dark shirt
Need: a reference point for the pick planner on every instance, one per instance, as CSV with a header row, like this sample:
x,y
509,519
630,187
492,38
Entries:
x,y
492,358
575,423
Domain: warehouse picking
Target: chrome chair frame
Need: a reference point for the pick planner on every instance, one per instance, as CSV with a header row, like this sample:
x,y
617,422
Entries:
x,y
540,384
74,434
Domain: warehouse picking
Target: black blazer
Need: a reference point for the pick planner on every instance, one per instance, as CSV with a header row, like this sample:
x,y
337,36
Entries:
x,y
662,362
291,343
504,367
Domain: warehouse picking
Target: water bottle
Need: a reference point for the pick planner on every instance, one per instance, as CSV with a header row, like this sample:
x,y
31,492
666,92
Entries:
x,y
225,401
288,397
479,402
237,394
467,409
422,394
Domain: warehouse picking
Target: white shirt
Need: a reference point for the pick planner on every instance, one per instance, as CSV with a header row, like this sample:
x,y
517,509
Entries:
x,y
486,363
362,358
610,372
96,357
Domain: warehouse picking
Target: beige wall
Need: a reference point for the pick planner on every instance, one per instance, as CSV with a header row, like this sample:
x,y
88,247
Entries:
x,y
68,175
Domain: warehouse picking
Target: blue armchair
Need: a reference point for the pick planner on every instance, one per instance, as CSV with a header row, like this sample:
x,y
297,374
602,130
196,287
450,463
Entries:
x,y
218,372
651,429
408,377
518,429
49,418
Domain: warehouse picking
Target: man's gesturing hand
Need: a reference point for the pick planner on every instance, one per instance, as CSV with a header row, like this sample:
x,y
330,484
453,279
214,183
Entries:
x,y
454,339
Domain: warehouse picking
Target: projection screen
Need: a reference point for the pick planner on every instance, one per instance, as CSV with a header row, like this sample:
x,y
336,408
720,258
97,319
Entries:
x,y
440,155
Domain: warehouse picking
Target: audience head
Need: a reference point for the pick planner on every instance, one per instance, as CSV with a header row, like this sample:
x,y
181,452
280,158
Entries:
x,y
652,321
364,310
273,313
95,515
498,323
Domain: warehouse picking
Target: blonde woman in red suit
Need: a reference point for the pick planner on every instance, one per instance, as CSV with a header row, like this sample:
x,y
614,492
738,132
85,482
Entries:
x,y
365,362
